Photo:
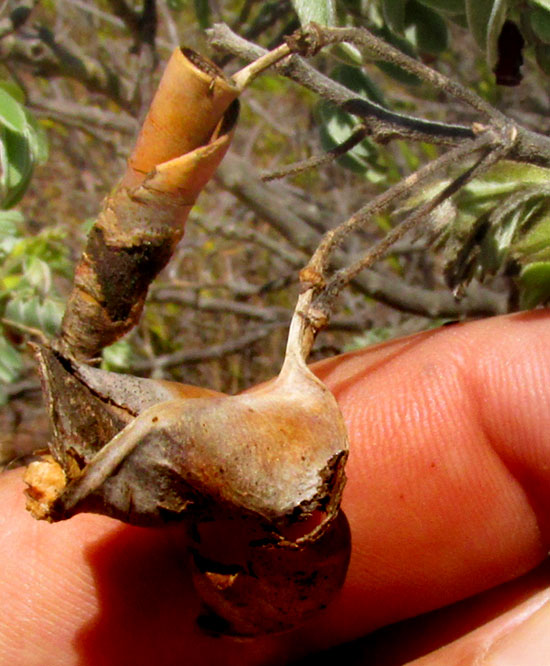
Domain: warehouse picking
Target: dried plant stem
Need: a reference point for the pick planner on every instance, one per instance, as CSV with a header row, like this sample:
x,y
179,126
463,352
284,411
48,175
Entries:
x,y
384,124
372,46
332,239
245,76
332,288
358,134
302,331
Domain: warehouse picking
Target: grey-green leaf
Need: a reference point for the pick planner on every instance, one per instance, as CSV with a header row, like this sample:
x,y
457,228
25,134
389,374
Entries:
x,y
11,362
320,11
485,20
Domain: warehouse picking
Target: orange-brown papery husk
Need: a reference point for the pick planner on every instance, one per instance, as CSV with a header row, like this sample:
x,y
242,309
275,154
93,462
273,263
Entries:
x,y
183,139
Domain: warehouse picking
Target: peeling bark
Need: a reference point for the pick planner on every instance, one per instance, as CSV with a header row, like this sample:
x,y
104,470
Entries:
x,y
183,139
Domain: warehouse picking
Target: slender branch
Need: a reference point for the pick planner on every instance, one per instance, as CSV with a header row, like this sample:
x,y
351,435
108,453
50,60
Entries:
x,y
317,37
129,16
319,261
343,277
49,58
205,304
245,76
211,353
358,134
250,235
383,123
83,115
277,207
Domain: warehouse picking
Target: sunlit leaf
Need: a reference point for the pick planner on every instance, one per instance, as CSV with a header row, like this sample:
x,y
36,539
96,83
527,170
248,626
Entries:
x,y
14,90
17,165
117,356
320,11
12,114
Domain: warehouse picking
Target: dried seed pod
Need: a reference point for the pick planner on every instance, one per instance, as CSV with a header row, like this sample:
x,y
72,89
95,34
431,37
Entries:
x,y
277,453
271,460
252,588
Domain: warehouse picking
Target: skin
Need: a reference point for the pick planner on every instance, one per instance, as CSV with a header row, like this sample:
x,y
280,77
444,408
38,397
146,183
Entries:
x,y
448,499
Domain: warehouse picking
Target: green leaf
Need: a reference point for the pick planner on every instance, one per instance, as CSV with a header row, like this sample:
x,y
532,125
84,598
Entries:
x,y
44,315
393,12
12,114
446,6
535,244
37,274
542,55
334,128
10,231
485,20
202,12
17,164
14,90
540,23
534,284
117,356
425,28
397,73
545,4
355,79
320,11
335,125
36,136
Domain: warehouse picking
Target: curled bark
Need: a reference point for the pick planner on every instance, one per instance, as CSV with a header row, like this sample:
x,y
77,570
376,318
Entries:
x,y
184,137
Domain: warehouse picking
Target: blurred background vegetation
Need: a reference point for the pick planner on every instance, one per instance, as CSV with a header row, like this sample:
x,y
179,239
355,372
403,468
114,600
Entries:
x,y
75,78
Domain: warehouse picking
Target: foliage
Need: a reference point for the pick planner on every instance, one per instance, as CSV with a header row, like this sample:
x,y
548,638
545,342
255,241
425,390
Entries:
x,y
22,145
29,298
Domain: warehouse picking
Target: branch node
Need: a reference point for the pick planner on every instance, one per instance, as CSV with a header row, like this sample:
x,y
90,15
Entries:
x,y
307,41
